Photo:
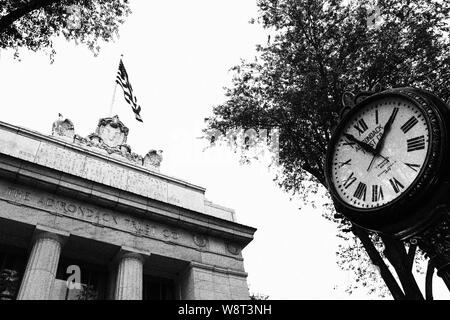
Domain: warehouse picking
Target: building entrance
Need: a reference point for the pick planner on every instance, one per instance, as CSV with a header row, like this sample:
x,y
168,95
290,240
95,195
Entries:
x,y
156,288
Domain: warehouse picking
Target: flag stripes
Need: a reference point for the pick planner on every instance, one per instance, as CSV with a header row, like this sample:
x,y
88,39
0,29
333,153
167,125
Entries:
x,y
123,80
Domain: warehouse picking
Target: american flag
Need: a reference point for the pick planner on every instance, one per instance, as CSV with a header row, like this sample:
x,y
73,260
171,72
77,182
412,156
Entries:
x,y
123,80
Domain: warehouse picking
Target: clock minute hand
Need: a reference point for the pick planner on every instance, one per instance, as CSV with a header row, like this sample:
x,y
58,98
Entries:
x,y
364,146
379,146
387,128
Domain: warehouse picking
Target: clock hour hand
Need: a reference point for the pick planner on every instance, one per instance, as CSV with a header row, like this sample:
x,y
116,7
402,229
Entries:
x,y
363,145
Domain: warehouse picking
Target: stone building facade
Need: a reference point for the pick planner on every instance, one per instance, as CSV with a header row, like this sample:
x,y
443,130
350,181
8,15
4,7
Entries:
x,y
86,218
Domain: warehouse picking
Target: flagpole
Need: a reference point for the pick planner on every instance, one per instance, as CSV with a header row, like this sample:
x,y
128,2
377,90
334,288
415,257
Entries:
x,y
113,100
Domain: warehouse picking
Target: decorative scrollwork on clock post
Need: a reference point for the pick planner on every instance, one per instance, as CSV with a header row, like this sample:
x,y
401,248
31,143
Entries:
x,y
435,241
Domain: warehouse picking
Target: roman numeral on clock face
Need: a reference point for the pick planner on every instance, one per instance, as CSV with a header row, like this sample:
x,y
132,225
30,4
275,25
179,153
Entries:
x,y
345,163
377,193
409,124
348,143
350,180
394,114
360,192
415,144
396,185
361,126
414,167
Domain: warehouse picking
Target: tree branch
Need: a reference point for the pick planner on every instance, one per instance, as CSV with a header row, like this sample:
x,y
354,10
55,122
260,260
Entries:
x,y
18,13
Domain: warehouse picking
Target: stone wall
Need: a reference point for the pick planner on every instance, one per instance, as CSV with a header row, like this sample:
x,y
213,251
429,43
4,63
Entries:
x,y
203,282
102,168
24,204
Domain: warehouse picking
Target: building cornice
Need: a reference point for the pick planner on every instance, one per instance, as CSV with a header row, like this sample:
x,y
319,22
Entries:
x,y
37,135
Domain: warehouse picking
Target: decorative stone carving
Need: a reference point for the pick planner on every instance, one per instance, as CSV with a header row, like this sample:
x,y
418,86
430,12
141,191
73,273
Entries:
x,y
125,149
63,128
110,137
233,249
113,132
95,139
200,240
153,159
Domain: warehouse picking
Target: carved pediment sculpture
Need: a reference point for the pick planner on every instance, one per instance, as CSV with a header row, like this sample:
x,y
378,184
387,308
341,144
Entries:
x,y
112,131
125,149
153,159
95,139
110,138
63,128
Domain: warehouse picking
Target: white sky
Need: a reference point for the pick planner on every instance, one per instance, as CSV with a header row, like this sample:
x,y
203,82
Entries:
x,y
178,54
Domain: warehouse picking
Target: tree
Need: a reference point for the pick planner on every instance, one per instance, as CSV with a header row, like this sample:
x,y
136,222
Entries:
x,y
33,24
318,50
87,292
258,296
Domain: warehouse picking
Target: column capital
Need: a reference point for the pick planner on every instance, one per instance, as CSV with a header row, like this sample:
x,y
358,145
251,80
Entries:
x,y
45,232
131,253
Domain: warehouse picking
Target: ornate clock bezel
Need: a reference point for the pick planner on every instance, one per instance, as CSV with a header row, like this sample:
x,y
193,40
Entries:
x,y
396,215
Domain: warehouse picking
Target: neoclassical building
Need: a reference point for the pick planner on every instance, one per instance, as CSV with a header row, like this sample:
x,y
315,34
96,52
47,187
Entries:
x,y
87,218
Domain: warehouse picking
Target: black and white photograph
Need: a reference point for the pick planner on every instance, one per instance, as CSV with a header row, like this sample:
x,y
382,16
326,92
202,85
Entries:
x,y
224,155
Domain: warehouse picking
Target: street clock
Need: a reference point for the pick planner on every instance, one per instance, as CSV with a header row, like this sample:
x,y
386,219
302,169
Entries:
x,y
387,163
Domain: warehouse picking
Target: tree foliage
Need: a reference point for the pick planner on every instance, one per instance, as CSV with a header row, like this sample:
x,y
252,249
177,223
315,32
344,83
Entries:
x,y
258,296
316,51
34,24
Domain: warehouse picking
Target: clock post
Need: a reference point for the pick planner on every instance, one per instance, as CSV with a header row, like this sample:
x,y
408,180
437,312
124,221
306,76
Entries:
x,y
387,168
435,241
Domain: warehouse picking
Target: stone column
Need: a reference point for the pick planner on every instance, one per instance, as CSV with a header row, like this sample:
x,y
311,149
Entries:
x,y
42,264
129,282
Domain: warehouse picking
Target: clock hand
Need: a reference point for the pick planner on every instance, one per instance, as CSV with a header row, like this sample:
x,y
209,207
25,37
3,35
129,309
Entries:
x,y
387,128
371,163
364,146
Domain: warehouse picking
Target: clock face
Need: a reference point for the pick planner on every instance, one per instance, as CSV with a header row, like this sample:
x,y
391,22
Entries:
x,y
380,152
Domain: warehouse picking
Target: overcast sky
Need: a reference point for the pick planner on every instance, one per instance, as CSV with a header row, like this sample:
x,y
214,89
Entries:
x,y
178,55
